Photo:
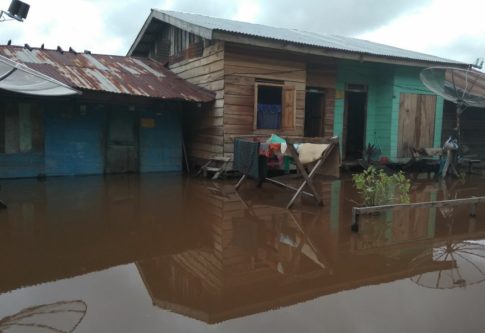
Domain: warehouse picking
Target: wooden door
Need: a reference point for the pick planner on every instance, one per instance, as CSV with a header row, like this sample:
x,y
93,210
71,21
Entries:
x,y
416,123
122,142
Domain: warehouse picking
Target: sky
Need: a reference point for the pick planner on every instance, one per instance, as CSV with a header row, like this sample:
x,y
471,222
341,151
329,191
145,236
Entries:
x,y
447,28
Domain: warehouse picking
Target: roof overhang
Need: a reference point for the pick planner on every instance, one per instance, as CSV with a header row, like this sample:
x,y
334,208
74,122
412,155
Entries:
x,y
250,40
19,78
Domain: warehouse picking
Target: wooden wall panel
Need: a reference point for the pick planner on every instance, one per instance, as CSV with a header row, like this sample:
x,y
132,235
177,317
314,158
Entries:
x,y
231,71
416,122
243,66
207,125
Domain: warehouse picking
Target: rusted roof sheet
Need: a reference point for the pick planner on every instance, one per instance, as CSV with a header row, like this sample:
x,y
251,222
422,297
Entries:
x,y
108,73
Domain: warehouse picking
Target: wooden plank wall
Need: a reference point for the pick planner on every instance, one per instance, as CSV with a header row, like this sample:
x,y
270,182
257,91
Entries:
x,y
231,71
206,71
416,122
242,67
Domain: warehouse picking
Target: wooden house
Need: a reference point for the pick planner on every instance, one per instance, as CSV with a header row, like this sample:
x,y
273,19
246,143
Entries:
x,y
126,119
291,82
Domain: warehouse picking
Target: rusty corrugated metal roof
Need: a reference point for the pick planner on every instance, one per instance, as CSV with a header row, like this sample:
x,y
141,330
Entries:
x,y
108,73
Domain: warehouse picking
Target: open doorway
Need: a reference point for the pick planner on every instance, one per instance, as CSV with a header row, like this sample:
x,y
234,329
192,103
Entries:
x,y
314,112
355,120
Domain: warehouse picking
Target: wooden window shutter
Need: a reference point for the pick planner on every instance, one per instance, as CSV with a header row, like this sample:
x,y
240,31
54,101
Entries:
x,y
289,106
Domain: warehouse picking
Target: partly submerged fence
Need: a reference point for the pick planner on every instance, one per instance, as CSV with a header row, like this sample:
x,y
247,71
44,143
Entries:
x,y
473,201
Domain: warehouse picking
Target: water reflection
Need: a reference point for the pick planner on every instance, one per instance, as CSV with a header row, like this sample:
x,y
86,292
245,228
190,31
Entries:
x,y
207,252
459,264
59,317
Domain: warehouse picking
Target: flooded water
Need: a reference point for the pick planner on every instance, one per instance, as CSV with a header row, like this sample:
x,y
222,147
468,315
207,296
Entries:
x,y
162,253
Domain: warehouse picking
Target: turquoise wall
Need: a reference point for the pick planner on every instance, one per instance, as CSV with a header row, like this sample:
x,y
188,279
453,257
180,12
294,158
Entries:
x,y
378,78
385,83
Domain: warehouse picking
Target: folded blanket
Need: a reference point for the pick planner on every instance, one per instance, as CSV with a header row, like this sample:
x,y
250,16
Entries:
x,y
311,152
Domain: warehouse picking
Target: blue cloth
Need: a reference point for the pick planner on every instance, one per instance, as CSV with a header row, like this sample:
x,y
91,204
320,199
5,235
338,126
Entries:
x,y
269,116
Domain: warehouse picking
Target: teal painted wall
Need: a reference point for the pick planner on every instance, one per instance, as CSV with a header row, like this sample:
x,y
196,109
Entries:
x,y
385,84
378,78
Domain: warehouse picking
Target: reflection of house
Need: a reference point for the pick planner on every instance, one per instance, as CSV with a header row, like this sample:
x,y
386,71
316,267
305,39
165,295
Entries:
x,y
206,252
128,118
249,268
269,79
63,228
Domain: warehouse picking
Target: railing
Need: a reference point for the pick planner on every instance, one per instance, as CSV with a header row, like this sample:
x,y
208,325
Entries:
x,y
473,201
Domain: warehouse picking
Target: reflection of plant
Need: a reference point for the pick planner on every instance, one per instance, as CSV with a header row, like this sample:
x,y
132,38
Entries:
x,y
377,188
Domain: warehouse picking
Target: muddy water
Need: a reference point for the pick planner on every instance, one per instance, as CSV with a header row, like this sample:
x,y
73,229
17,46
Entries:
x,y
160,253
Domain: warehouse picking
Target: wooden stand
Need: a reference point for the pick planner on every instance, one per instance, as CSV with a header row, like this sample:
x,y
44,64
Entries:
x,y
307,176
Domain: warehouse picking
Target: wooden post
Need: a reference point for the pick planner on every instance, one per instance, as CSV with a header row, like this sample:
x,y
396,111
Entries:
x,y
473,209
355,219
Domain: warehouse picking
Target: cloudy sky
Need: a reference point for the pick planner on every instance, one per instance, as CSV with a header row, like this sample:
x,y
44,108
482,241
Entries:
x,y
447,28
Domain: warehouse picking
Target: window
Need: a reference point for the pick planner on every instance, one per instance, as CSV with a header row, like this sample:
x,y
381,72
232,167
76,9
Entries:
x,y
20,129
274,106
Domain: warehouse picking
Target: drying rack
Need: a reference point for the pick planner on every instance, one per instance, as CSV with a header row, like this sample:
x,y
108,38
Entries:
x,y
333,147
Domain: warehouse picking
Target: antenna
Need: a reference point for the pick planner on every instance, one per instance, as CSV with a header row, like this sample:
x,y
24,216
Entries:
x,y
464,87
17,10
478,63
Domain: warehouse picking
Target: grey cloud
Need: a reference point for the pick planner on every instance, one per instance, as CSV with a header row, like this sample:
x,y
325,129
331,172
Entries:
x,y
346,17
125,20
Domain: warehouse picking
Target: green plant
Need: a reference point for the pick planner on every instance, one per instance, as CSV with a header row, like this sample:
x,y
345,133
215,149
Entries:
x,y
371,152
377,188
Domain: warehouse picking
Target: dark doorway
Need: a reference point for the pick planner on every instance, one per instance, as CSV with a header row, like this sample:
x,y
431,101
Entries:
x,y
355,113
314,112
122,142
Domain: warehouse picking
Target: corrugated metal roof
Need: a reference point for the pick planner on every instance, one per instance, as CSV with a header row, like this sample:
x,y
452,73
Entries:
x,y
328,41
108,73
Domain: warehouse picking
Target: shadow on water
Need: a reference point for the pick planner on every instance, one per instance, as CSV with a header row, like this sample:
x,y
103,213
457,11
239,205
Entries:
x,y
210,253
58,317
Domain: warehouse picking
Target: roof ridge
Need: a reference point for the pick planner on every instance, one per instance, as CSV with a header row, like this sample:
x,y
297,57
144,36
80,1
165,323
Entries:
x,y
225,19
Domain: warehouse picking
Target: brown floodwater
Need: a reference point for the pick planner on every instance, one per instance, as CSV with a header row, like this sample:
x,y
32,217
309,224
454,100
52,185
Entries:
x,y
164,253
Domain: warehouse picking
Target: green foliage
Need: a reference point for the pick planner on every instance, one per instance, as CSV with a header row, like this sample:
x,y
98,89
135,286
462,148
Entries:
x,y
377,188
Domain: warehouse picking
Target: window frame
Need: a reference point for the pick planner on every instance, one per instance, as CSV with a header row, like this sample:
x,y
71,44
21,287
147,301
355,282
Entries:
x,y
284,87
